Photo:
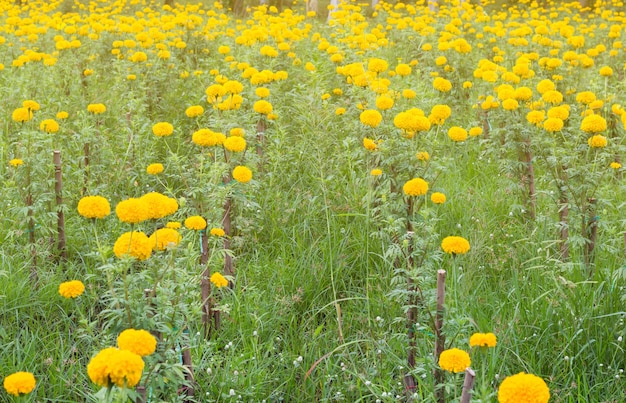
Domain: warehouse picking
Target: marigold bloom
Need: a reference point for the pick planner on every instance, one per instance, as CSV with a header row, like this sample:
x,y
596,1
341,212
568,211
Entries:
x,y
136,244
235,144
441,84
263,107
535,117
553,125
218,232
523,388
415,187
510,104
96,109
439,114
369,144
376,65
454,360
49,126
615,165
71,289
438,198
262,92
475,131
114,366
22,115
165,238
195,223
163,129
208,138
457,134
376,172
19,383
597,141
455,245
483,340
560,112
62,115
194,111
593,124
31,105
422,156
218,280
242,174
155,169
94,207
132,211
384,102
237,131
16,162
403,69
585,97
371,118
606,71
139,342
173,225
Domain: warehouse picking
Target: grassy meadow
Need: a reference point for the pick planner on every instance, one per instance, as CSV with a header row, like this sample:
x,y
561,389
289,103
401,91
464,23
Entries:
x,y
272,195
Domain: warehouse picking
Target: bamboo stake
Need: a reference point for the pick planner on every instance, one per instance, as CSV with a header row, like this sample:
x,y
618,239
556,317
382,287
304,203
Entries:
x,y
468,385
208,313
58,189
188,389
439,336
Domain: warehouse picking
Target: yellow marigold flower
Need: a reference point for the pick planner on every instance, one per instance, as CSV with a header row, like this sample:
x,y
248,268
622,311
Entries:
x,y
457,134
438,198
218,232
510,104
22,115
132,211
455,245
237,131
371,118
218,280
136,244
376,65
309,66
233,87
593,124
523,93
263,107
475,131
163,129
207,138
262,92
340,111
369,144
597,141
535,117
376,172
223,50
139,342
194,111
235,144
409,94
545,85
384,102
606,71
94,207
403,69
412,120
62,115
31,105
242,174
585,97
560,112
19,383
49,126
483,340
98,367
155,169
454,360
523,388
553,125
615,165
71,289
597,104
422,156
96,109
415,187
131,77
195,223
173,225
467,84
552,97
164,238
16,162
441,84
120,367
439,113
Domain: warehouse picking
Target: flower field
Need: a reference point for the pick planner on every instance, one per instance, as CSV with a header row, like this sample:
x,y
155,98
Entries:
x,y
357,203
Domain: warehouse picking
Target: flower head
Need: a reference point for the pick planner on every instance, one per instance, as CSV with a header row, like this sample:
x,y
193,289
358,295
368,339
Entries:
x,y
217,232
132,211
114,366
371,118
49,126
165,238
483,340
94,207
615,165
71,289
235,144
207,138
455,245
263,107
441,84
454,360
194,111
158,205
597,141
16,162
22,115
523,388
593,124
195,223
422,156
139,342
155,169
415,187
242,174
376,172
369,144
19,383
163,129
457,134
96,109
136,244
218,280
438,198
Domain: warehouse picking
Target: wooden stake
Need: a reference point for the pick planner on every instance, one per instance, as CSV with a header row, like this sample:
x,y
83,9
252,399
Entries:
x,y
86,166
58,189
468,385
208,313
411,313
229,269
439,336
188,389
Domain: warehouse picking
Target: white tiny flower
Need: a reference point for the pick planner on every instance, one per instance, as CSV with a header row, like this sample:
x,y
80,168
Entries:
x,y
619,339
236,373
566,358
368,383
458,225
209,371
300,358
255,333
232,392
510,214
378,319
